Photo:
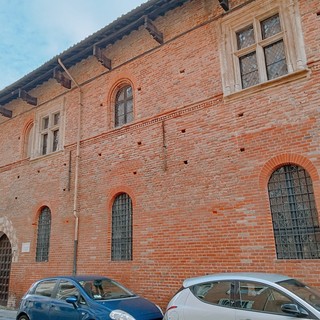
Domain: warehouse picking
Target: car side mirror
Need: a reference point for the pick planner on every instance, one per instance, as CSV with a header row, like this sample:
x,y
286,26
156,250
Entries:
x,y
73,300
294,309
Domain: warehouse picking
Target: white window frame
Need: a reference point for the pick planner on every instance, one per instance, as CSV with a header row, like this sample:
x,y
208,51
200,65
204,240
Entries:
x,y
41,131
254,13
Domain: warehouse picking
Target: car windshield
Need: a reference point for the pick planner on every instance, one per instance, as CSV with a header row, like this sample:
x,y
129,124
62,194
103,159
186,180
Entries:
x,y
308,294
105,289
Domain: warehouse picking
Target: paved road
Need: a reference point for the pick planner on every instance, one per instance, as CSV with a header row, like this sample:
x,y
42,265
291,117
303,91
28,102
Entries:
x,y
6,314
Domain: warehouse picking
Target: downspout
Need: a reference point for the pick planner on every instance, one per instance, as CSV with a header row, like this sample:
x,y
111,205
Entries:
x,y
76,175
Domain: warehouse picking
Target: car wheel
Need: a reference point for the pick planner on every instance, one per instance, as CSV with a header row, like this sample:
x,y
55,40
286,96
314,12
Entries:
x,y
23,317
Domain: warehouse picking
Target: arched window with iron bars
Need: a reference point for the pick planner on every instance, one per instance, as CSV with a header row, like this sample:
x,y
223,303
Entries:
x,y
294,213
121,246
43,237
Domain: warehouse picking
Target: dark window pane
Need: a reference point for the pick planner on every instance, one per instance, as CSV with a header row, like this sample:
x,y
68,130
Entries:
x,y
43,239
122,228
44,144
56,119
245,37
294,216
270,26
55,140
249,70
275,60
45,123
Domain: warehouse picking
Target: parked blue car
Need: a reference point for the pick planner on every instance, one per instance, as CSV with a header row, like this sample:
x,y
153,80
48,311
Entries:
x,y
84,298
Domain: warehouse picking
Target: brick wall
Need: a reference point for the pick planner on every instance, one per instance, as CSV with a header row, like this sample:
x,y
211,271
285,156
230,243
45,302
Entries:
x,y
200,203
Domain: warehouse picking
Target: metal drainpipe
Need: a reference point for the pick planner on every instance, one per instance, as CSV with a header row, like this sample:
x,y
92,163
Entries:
x,y
76,178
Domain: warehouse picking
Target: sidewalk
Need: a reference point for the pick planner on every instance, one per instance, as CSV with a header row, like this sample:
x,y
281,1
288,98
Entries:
x,y
7,314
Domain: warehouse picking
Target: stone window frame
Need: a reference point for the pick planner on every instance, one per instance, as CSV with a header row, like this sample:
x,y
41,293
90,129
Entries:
x,y
252,14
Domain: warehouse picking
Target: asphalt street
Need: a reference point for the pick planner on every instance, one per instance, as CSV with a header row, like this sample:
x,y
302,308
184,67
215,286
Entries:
x,y
7,314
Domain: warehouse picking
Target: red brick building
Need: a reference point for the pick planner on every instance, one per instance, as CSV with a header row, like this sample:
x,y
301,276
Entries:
x,y
180,140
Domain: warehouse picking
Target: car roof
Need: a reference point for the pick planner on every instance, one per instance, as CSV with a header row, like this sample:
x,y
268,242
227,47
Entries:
x,y
78,277
245,276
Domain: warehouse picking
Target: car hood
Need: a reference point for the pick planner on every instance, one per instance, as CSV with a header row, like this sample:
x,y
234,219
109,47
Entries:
x,y
136,306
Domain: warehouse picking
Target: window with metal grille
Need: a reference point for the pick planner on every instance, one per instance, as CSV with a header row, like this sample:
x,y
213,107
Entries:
x,y
294,214
261,52
124,106
261,46
5,268
43,238
121,247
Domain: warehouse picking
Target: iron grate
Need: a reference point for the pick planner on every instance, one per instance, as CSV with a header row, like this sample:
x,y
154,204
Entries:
x,y
294,214
122,228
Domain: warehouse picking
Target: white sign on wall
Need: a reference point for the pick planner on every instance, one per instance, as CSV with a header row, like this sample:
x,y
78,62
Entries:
x,y
25,247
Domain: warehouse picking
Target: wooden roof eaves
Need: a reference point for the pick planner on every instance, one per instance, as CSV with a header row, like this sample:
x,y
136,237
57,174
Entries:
x,y
82,50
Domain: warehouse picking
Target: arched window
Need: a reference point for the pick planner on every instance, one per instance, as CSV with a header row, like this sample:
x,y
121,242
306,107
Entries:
x,y
121,246
294,214
43,238
28,140
123,106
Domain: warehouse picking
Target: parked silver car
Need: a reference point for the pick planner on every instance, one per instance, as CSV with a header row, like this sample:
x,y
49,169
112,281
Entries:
x,y
244,296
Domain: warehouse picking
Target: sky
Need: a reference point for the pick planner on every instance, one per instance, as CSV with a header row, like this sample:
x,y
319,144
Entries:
x,y
32,32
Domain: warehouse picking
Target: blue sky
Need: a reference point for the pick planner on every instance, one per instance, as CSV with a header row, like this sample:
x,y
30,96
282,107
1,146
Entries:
x,y
34,31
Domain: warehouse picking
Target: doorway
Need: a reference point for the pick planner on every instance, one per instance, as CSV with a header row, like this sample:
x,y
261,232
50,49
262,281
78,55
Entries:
x,y
5,267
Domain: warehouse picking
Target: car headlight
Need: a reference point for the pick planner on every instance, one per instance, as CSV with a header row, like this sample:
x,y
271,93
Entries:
x,y
121,315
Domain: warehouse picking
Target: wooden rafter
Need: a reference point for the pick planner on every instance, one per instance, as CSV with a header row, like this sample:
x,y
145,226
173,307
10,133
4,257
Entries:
x,y
5,112
27,97
224,4
152,29
97,52
61,78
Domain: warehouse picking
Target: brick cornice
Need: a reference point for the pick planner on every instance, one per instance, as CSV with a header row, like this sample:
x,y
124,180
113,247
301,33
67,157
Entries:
x,y
283,159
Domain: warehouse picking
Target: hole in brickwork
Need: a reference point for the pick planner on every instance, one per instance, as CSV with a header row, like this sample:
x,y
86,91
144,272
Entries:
x,y
183,130
18,177
139,89
100,154
182,71
242,149
240,114
139,143
134,172
185,161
